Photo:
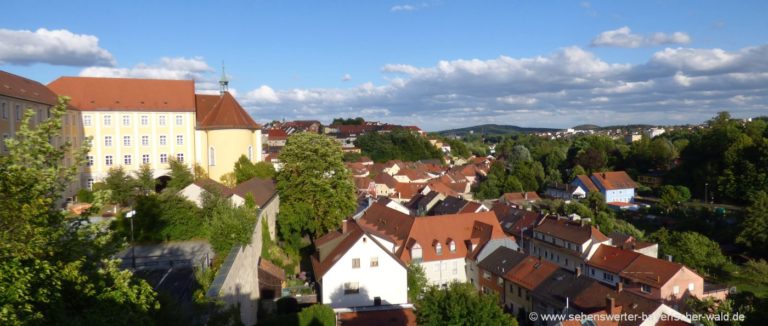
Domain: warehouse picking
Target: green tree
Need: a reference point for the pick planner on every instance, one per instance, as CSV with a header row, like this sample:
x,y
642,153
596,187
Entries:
x,y
576,171
754,230
398,144
317,315
692,249
180,175
673,196
57,271
246,170
460,304
314,174
596,201
417,281
227,225
145,180
120,184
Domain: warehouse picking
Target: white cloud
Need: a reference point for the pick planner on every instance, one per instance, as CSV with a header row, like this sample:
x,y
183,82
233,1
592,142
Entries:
x,y
195,68
397,8
263,94
623,37
568,87
346,77
55,47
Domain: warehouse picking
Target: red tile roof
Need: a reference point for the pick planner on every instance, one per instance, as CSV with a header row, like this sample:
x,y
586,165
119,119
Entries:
x,y
408,190
531,272
204,104
26,89
227,114
440,187
271,269
471,207
277,134
402,316
429,230
612,259
614,180
573,232
588,183
652,271
387,223
127,94
516,197
262,190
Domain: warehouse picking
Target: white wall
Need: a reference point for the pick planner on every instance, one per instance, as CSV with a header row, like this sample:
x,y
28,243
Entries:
x,y
445,271
387,281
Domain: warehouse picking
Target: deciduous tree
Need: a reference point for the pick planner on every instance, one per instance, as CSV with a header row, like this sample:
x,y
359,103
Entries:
x,y
460,304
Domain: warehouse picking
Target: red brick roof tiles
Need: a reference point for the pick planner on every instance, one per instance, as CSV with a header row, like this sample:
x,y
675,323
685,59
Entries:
x,y
26,89
127,94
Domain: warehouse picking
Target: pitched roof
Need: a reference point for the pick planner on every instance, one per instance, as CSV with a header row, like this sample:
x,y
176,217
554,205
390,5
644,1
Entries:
x,y
276,134
386,223
408,190
612,259
570,231
652,271
429,230
127,94
204,104
515,197
379,317
501,261
262,190
614,180
209,184
559,285
385,179
439,186
586,181
268,267
227,114
471,207
628,242
514,220
531,271
449,205
26,89
335,244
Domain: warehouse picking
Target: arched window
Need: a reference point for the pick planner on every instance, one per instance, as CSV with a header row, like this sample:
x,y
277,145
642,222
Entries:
x,y
439,248
250,153
211,156
452,245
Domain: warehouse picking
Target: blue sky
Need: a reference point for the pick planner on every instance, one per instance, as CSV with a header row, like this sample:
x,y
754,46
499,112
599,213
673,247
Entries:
x,y
437,64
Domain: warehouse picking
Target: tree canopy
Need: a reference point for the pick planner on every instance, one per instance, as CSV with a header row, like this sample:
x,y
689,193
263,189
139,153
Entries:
x,y
316,190
398,144
691,249
246,170
56,270
754,234
460,304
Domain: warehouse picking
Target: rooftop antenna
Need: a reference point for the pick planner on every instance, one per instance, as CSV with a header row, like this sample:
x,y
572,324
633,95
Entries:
x,y
224,82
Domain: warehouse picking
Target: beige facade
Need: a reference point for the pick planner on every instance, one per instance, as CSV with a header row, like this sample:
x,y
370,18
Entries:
x,y
133,138
220,148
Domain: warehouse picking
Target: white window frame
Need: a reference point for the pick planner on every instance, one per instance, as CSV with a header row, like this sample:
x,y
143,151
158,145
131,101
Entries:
x,y
107,141
211,156
163,140
180,157
163,158
89,160
179,139
127,159
144,120
161,120
126,120
108,160
179,120
107,120
145,159
126,140
145,140
87,120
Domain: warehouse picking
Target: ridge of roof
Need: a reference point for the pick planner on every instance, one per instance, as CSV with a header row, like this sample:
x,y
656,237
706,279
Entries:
x,y
16,86
227,114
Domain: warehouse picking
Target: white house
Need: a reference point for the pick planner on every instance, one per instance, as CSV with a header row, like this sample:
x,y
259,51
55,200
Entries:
x,y
616,186
354,270
566,243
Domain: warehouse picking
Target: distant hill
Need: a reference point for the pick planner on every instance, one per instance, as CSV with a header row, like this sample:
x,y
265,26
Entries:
x,y
493,129
586,127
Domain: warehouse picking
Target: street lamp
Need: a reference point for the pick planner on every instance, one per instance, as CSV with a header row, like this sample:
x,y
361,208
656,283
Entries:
x,y
705,192
129,216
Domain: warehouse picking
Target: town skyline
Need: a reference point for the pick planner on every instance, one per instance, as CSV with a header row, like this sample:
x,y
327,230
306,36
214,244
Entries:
x,y
531,65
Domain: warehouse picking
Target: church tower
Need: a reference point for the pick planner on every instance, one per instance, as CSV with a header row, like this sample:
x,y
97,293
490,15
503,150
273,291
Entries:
x,y
223,82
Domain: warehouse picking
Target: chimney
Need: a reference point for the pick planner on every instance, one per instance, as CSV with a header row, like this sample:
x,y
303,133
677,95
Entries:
x,y
525,194
344,227
619,287
669,257
610,305
578,272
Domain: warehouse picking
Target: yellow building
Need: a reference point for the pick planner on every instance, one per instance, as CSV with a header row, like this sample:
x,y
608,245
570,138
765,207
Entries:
x,y
149,121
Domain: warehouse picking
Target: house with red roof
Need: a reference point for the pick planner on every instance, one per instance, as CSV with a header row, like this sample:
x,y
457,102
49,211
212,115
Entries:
x,y
354,269
617,187
566,243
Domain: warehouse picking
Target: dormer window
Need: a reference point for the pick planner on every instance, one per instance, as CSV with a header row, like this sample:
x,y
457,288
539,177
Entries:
x,y
452,245
439,248
416,253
